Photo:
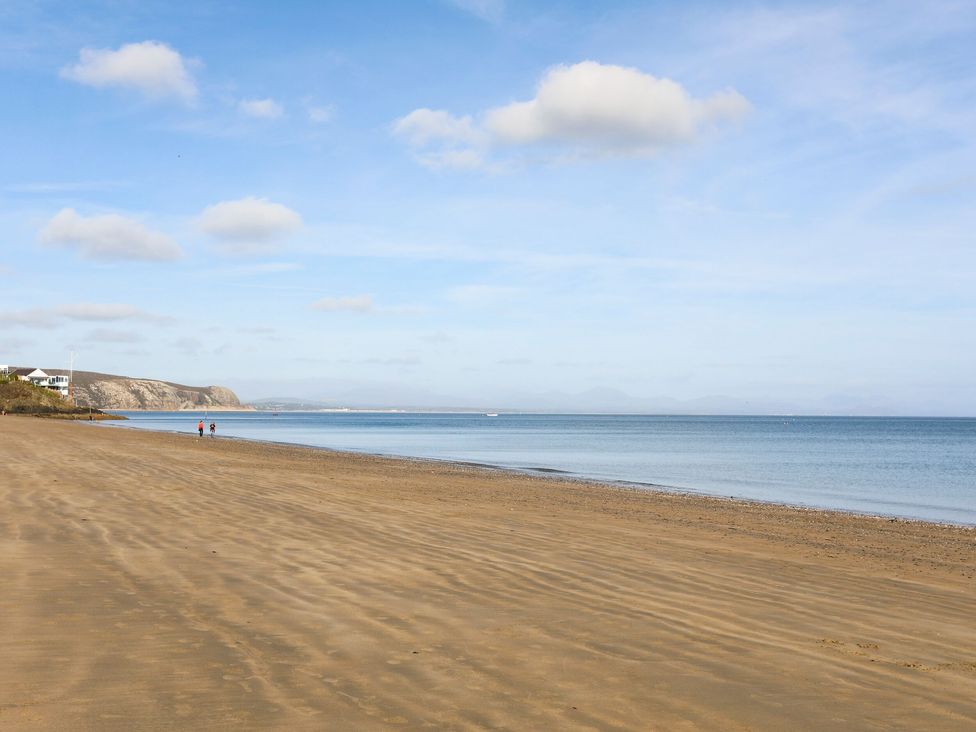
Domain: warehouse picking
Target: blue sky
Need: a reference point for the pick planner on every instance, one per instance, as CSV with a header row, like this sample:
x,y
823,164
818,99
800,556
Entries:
x,y
486,202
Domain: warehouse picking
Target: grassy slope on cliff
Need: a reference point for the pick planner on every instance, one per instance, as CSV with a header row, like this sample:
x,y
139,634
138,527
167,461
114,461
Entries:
x,y
20,397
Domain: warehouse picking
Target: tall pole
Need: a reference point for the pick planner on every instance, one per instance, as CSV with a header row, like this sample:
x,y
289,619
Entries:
x,y
71,378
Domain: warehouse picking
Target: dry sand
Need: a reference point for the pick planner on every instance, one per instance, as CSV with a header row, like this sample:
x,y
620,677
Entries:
x,y
152,581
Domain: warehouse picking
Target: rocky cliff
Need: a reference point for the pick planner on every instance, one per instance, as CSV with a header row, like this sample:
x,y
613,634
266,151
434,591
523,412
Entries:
x,y
106,391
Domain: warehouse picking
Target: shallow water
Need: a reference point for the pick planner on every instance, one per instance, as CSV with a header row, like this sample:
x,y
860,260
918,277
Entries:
x,y
909,467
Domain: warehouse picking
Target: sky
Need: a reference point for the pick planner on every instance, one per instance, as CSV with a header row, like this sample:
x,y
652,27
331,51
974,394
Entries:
x,y
766,206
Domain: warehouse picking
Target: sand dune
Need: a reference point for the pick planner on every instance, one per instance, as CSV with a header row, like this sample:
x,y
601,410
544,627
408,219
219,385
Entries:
x,y
156,581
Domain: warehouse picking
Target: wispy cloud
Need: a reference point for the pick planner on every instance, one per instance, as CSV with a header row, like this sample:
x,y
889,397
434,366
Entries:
x,y
378,244
10,345
321,114
481,294
848,64
150,67
188,345
108,335
254,270
91,312
262,331
350,303
56,187
438,338
261,108
110,311
364,305
391,361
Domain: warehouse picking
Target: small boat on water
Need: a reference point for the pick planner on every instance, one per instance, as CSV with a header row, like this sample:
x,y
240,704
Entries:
x,y
491,414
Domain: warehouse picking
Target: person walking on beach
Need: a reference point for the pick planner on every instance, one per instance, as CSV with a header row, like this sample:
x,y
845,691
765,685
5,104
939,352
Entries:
x,y
200,427
213,429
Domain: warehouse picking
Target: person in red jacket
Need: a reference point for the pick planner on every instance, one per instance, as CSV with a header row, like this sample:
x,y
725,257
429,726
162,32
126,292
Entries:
x,y
200,428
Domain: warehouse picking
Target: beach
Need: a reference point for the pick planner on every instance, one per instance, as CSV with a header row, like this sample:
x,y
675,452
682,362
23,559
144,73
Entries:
x,y
160,581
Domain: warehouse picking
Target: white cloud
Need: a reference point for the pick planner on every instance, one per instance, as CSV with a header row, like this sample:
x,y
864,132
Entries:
x,y
588,107
261,108
354,303
150,67
108,237
423,126
248,224
457,141
611,108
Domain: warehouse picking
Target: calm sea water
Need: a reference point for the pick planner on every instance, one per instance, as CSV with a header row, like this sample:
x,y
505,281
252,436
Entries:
x,y
908,467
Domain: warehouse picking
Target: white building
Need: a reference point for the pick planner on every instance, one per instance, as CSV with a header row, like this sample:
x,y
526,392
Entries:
x,y
4,370
60,384
34,376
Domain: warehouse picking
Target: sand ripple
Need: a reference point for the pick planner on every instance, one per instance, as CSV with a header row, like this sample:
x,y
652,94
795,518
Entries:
x,y
167,582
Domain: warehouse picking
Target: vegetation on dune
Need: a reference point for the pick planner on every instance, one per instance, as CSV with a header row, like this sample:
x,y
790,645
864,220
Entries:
x,y
22,397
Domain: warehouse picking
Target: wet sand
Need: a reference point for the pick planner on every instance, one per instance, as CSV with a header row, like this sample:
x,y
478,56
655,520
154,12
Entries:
x,y
152,581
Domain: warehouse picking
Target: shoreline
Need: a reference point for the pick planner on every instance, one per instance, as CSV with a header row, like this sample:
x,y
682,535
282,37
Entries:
x,y
529,412
559,475
158,582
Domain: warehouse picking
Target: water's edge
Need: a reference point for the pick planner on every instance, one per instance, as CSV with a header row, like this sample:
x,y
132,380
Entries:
x,y
564,476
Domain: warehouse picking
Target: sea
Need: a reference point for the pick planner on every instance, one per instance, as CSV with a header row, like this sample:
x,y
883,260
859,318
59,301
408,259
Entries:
x,y
915,468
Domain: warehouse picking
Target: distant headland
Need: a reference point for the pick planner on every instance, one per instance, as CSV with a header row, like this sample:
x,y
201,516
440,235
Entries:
x,y
90,389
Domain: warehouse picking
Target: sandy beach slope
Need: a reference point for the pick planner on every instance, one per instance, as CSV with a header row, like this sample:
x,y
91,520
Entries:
x,y
152,581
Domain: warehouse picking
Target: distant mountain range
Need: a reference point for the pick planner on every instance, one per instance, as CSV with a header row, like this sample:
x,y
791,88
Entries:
x,y
599,400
